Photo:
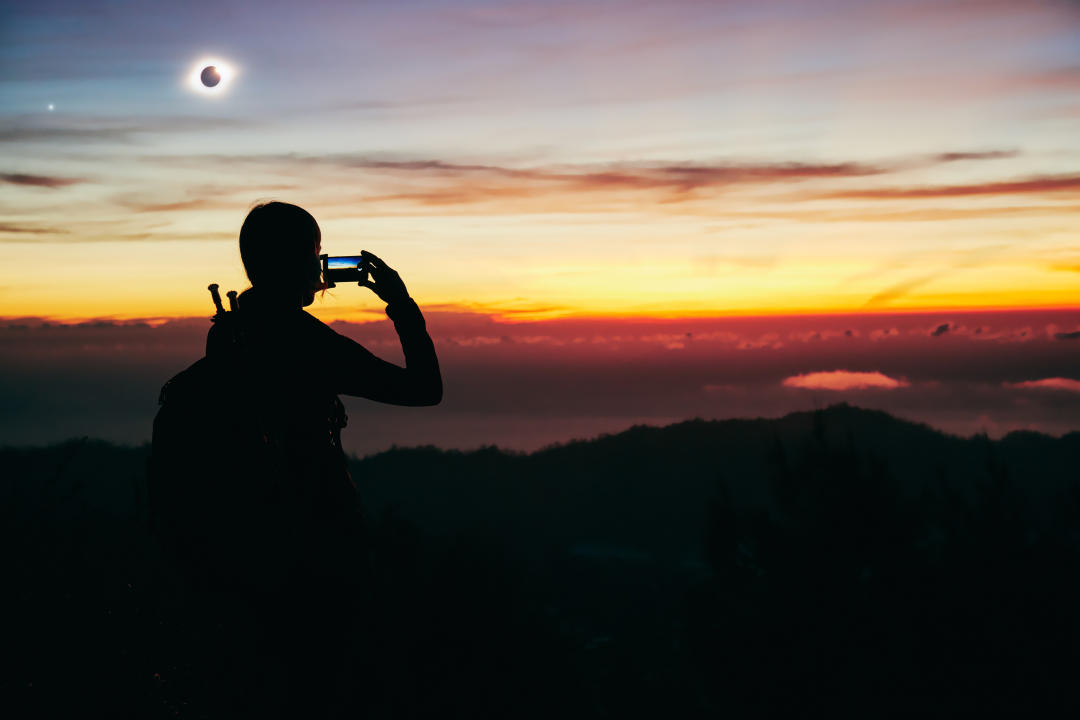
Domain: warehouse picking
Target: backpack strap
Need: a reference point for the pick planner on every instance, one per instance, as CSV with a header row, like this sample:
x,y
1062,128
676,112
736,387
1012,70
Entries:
x,y
338,419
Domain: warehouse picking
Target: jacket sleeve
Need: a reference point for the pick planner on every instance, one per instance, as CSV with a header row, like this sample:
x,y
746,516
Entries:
x,y
356,371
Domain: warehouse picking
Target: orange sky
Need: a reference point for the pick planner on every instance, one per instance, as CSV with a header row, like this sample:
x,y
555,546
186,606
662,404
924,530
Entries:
x,y
548,159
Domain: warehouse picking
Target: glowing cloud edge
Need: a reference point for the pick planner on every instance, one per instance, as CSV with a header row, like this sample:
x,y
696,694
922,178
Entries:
x,y
840,380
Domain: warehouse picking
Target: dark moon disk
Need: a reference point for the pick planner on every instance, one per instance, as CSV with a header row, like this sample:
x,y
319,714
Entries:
x,y
210,76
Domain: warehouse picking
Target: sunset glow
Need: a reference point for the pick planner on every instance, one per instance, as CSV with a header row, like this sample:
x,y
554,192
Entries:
x,y
650,163
730,186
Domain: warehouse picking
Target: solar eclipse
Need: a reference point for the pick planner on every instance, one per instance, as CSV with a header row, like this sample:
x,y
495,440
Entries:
x,y
211,76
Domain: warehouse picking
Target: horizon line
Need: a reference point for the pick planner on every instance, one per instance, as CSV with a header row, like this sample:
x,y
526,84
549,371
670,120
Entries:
x,y
983,434
526,316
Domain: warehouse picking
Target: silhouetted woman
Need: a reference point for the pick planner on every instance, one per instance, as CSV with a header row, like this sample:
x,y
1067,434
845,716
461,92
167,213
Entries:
x,y
303,365
259,503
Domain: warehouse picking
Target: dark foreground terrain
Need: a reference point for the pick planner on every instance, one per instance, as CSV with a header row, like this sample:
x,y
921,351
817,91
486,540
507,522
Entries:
x,y
841,562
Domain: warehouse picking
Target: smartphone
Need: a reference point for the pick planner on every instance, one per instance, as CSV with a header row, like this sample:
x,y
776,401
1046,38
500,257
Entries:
x,y
342,268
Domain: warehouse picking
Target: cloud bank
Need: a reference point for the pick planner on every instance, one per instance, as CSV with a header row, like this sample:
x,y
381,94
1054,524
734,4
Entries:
x,y
523,384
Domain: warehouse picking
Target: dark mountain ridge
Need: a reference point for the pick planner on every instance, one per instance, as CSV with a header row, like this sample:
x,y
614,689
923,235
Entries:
x,y
644,490
647,487
835,560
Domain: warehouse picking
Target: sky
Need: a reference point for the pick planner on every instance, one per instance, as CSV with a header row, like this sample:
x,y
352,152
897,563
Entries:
x,y
530,167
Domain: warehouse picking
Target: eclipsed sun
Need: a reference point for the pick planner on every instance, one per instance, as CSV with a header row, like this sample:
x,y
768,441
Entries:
x,y
211,76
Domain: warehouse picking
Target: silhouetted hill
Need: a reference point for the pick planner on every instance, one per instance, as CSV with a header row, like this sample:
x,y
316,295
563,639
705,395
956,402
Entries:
x,y
832,562
645,489
641,493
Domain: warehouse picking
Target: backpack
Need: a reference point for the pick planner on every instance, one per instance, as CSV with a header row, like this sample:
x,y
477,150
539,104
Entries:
x,y
226,505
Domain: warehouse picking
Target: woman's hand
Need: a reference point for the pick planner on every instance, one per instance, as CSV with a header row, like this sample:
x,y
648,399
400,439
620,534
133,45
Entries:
x,y
387,283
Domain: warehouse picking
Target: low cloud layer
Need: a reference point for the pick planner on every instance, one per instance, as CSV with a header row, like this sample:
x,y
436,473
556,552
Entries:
x,y
523,384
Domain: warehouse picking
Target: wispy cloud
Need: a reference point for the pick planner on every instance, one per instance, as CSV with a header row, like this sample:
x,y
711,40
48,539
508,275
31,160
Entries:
x,y
142,204
45,181
972,259
382,105
900,289
627,174
1054,383
949,157
665,172
79,129
380,183
443,183
1035,185
21,133
21,229
194,197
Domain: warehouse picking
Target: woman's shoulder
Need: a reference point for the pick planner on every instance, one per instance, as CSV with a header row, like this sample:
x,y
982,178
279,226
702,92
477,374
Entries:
x,y
317,327
311,321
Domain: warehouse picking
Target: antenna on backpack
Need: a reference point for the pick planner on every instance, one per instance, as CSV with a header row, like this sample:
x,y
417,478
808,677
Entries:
x,y
213,288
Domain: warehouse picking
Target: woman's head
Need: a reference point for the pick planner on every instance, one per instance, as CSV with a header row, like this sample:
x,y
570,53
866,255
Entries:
x,y
280,245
